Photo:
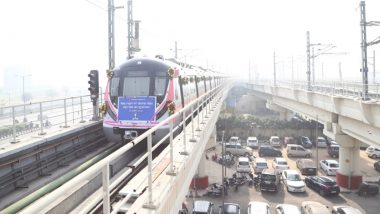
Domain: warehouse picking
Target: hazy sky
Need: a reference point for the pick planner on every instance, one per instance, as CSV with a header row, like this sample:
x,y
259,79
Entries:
x,y
59,41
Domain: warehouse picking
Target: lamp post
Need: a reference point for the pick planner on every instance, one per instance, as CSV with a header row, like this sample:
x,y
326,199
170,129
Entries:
x,y
223,190
316,139
23,92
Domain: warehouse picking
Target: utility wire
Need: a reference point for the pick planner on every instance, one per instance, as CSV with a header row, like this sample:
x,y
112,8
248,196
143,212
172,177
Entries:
x,y
104,8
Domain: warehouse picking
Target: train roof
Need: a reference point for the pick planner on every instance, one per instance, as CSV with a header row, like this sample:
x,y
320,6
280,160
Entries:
x,y
185,69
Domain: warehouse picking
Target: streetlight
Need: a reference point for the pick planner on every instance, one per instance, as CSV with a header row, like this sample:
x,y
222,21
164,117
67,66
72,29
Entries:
x,y
316,139
23,92
223,170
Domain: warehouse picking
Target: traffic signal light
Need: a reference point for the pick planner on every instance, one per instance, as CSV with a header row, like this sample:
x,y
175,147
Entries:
x,y
94,84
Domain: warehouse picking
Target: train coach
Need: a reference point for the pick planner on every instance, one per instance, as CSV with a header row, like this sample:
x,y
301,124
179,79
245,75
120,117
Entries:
x,y
142,92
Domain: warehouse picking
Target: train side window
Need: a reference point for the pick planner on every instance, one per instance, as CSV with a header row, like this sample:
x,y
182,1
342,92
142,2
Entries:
x,y
159,86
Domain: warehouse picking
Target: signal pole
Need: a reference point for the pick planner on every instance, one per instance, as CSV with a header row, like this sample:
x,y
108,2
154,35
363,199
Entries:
x,y
94,91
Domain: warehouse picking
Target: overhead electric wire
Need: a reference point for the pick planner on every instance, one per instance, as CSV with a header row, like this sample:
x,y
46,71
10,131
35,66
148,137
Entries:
x,y
104,8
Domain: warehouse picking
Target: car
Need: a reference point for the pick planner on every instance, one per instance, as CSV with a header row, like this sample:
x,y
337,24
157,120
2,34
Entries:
x,y
288,140
237,149
202,207
305,142
230,208
333,150
269,180
257,207
306,166
313,207
376,165
259,165
274,141
243,165
369,149
329,166
323,185
345,210
267,150
366,188
294,150
253,142
293,181
280,164
321,142
287,209
374,153
234,139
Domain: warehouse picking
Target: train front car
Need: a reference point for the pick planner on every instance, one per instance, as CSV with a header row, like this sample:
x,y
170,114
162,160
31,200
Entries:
x,y
137,97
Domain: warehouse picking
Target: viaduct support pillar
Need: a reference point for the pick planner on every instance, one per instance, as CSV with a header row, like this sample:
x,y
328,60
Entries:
x,y
200,180
348,175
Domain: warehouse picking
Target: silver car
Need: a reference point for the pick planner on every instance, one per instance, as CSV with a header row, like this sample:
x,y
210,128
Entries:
x,y
259,165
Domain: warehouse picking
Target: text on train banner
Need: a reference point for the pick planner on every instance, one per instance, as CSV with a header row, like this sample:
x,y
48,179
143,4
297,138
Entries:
x,y
136,109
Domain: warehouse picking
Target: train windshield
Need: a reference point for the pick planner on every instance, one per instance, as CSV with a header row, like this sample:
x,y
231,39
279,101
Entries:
x,y
139,83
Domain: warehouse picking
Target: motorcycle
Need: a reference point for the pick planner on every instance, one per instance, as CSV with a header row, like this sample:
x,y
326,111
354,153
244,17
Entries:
x,y
368,189
215,190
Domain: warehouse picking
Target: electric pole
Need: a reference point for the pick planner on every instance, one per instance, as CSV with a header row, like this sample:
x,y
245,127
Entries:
x,y
130,29
292,70
175,50
274,68
313,65
249,70
111,35
308,60
340,72
374,68
364,68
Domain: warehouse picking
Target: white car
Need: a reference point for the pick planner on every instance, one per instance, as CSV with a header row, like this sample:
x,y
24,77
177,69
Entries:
x,y
321,142
252,142
274,141
313,207
329,166
345,210
374,153
257,207
243,165
293,181
234,139
280,164
369,149
287,209
202,207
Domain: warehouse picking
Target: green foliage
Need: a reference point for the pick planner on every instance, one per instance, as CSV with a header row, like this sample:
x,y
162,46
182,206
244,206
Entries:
x,y
251,122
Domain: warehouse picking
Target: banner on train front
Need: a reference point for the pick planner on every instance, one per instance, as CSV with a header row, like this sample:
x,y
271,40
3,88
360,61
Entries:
x,y
136,109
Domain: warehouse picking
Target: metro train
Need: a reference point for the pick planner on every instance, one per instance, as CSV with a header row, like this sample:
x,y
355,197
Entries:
x,y
144,91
